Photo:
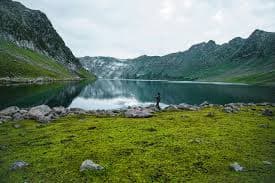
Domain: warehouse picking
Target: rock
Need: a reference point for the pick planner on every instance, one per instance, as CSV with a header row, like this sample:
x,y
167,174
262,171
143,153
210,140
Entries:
x,y
210,114
263,125
19,165
204,104
236,167
137,113
9,111
267,112
17,126
5,118
40,113
23,111
267,163
263,104
171,108
228,110
60,110
77,111
18,116
90,165
188,107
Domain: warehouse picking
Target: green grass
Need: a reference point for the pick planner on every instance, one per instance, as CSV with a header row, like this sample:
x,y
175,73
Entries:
x,y
259,78
170,147
20,62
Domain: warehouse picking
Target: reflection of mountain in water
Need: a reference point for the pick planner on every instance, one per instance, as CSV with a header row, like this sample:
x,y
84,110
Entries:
x,y
174,93
57,94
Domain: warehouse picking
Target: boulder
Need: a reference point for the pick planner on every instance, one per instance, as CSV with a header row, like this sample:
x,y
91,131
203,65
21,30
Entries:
x,y
9,111
236,167
171,108
40,113
18,116
77,111
137,113
19,165
90,165
204,104
60,110
188,107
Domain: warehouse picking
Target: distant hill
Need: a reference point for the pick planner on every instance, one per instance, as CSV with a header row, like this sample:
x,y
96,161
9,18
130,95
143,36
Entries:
x,y
250,60
30,47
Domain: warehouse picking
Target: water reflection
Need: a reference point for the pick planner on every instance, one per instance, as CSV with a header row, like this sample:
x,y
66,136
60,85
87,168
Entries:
x,y
111,94
57,94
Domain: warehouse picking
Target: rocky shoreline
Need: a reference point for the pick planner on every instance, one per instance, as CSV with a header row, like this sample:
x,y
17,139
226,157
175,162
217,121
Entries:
x,y
45,114
39,80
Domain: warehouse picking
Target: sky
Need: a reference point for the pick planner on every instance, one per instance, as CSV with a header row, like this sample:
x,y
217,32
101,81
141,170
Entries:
x,y
131,28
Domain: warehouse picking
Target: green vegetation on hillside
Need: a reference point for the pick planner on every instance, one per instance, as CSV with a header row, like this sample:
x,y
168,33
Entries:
x,y
174,146
20,62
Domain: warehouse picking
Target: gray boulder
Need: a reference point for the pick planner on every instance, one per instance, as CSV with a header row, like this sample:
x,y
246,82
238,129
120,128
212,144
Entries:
x,y
60,110
9,111
19,165
77,111
138,113
40,113
204,104
18,116
236,167
188,107
171,108
90,165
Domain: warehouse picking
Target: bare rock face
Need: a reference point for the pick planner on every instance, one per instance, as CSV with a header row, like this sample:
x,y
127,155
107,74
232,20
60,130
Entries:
x,y
90,165
138,113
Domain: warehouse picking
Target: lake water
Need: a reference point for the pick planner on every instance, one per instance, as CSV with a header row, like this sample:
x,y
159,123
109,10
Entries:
x,y
113,94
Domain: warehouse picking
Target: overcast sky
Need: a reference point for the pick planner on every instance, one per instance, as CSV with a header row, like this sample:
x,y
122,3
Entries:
x,y
130,28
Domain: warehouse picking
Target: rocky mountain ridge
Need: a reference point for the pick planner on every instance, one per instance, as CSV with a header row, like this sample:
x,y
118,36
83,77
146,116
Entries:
x,y
32,30
250,60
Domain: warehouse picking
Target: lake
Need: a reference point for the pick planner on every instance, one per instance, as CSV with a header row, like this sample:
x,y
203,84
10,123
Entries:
x,y
114,94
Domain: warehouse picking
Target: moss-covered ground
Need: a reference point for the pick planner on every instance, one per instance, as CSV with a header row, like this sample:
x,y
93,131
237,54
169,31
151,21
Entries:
x,y
178,146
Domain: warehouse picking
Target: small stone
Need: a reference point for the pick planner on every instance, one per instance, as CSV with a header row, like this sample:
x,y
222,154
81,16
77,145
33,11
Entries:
x,y
19,165
18,116
267,112
263,125
236,167
267,163
90,165
210,114
17,126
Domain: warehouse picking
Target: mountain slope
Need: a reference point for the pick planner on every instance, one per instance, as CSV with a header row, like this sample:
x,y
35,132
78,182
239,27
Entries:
x,y
28,39
250,60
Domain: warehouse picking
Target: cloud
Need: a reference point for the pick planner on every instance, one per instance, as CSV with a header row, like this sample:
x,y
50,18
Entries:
x,y
124,28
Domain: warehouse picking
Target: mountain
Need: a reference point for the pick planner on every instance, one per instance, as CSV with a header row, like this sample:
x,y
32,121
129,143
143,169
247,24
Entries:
x,y
250,60
30,47
104,67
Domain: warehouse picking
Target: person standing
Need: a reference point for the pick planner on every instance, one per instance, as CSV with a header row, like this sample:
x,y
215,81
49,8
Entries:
x,y
158,101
